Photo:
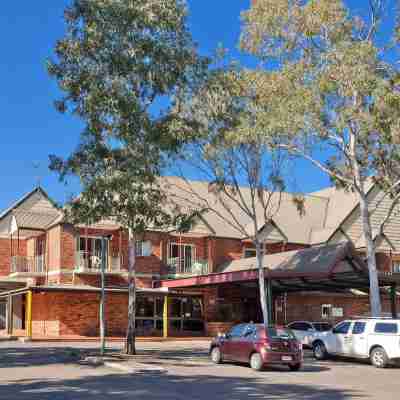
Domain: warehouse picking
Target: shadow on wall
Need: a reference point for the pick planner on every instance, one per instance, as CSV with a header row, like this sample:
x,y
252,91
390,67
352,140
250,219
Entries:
x,y
156,386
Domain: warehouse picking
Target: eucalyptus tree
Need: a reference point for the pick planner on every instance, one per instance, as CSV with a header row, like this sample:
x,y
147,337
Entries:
x,y
245,178
325,85
121,66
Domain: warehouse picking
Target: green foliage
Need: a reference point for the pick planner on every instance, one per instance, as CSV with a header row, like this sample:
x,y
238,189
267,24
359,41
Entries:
x,y
122,66
331,88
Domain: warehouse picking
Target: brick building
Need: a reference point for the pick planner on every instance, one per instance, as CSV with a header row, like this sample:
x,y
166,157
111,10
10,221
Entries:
x,y
191,283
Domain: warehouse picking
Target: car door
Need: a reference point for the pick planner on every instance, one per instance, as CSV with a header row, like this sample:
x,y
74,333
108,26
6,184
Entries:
x,y
231,343
359,339
342,342
247,343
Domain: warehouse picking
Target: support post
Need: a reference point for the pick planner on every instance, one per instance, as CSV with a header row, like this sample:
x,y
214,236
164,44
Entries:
x,y
269,300
102,297
165,317
9,315
28,320
393,300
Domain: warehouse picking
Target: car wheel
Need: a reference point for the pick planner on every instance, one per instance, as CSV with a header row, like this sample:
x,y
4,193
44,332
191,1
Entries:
x,y
216,356
319,351
256,362
295,367
379,358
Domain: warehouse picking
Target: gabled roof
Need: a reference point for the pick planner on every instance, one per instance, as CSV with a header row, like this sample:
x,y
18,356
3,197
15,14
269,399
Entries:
x,y
33,211
24,198
293,226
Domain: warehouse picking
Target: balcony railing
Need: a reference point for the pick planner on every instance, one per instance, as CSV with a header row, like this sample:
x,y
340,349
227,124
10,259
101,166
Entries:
x,y
28,264
178,266
91,262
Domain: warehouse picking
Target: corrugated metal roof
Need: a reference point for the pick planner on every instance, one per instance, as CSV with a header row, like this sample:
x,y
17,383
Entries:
x,y
296,227
318,259
30,220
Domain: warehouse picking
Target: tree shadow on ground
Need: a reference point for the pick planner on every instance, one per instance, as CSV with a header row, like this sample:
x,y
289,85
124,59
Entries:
x,y
17,357
164,386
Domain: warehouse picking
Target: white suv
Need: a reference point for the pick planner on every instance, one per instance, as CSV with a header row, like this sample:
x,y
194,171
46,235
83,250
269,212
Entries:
x,y
373,338
306,331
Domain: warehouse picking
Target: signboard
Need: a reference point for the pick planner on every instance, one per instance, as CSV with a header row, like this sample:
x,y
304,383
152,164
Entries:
x,y
337,312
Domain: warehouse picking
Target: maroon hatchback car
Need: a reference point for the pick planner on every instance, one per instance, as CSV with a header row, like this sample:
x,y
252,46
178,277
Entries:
x,y
253,344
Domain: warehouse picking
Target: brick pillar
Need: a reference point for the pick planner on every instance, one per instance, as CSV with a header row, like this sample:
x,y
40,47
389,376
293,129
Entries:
x,y
211,251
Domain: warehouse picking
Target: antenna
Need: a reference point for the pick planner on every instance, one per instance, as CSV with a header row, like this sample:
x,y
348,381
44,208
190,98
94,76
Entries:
x,y
36,167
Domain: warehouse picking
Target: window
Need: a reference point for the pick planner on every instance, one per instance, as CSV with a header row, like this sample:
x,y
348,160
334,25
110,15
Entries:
x,y
145,307
250,331
342,328
300,326
396,266
326,311
237,331
143,248
181,257
385,327
359,328
322,326
249,253
90,251
280,333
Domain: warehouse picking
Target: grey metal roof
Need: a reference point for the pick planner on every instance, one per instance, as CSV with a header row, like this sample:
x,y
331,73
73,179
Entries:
x,y
31,220
318,259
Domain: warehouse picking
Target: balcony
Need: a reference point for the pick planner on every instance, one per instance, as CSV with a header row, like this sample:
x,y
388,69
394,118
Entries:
x,y
28,265
178,267
91,262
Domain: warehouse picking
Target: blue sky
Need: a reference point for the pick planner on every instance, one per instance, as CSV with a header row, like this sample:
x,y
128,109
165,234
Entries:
x,y
30,128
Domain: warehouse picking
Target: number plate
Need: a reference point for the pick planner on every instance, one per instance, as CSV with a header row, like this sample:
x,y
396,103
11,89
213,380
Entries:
x,y
287,358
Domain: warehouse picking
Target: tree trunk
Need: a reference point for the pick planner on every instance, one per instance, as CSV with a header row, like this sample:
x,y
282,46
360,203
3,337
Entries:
x,y
374,295
261,283
102,298
130,347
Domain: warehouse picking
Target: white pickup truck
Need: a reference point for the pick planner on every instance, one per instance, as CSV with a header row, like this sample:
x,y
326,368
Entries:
x,y
373,338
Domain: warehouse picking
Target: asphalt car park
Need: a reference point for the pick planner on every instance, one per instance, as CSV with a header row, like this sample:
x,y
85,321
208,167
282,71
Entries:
x,y
44,371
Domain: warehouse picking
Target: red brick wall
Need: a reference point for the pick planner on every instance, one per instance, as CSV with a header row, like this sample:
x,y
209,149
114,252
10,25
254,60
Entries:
x,y
54,248
308,306
227,250
68,247
5,253
45,314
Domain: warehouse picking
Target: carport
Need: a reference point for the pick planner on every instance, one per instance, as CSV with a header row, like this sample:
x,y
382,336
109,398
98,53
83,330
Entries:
x,y
329,268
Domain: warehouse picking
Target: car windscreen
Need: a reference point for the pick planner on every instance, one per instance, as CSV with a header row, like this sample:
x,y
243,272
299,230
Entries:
x,y
280,333
322,327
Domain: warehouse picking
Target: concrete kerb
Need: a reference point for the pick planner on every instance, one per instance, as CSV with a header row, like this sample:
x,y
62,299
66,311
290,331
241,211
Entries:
x,y
121,364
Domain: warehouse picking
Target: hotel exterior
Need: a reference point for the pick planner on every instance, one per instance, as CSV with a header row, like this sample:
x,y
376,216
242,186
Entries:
x,y
195,283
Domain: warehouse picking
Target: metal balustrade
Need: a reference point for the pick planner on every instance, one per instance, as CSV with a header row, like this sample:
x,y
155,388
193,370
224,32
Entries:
x,y
91,262
25,264
179,266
